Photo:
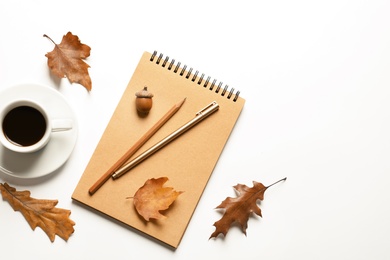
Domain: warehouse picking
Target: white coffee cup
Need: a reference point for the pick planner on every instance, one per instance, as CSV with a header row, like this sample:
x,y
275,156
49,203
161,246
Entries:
x,y
26,126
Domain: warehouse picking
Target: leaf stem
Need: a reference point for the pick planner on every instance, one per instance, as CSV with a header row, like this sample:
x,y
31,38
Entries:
x,y
49,39
285,178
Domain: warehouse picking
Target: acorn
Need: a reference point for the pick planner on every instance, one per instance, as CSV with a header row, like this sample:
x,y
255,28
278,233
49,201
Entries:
x,y
144,101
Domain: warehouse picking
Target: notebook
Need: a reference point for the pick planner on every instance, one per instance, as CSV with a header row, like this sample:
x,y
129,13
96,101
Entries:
x,y
187,162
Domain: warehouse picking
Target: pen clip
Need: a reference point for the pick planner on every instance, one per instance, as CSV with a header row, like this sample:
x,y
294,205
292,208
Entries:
x,y
210,107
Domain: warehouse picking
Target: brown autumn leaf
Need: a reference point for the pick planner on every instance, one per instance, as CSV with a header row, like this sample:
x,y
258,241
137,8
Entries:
x,y
42,213
66,59
239,209
152,197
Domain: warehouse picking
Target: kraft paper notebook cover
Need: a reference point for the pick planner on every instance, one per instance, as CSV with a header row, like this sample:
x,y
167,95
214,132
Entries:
x,y
187,161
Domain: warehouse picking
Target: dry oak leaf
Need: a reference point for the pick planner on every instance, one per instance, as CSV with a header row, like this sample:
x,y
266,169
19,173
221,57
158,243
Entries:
x,y
152,197
239,209
42,213
66,59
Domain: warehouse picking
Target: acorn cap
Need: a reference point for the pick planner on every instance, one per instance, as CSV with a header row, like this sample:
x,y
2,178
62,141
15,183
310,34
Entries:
x,y
144,93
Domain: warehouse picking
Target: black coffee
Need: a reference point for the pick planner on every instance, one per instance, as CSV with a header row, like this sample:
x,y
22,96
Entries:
x,y
24,126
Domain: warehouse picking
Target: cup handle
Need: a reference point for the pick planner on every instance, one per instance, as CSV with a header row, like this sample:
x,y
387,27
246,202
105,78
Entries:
x,y
58,125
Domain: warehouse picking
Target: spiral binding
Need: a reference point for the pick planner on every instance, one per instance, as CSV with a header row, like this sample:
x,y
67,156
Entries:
x,y
194,78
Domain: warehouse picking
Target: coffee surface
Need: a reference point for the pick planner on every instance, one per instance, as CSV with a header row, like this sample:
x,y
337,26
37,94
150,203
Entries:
x,y
24,126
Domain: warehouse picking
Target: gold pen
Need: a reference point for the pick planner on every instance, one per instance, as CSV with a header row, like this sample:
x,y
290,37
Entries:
x,y
202,114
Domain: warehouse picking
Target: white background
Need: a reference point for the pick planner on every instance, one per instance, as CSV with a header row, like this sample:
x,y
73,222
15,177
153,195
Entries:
x,y
315,76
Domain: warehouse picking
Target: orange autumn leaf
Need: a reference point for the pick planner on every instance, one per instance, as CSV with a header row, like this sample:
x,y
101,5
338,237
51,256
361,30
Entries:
x,y
66,60
42,213
153,197
239,209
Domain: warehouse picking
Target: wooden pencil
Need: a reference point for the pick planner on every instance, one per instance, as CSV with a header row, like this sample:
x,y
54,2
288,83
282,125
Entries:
x,y
135,147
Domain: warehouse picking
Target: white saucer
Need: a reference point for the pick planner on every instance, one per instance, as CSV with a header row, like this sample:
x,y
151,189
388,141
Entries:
x,y
60,146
